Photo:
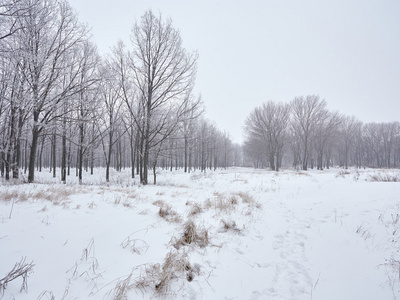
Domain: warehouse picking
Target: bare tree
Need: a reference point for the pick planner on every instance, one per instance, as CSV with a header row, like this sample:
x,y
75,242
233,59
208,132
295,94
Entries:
x,y
306,112
163,74
348,131
48,32
193,109
327,126
10,11
266,127
110,116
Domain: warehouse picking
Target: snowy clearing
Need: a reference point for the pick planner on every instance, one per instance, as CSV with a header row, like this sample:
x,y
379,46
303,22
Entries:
x,y
229,234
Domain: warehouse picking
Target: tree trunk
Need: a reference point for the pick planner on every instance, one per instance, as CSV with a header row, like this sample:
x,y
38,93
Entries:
x,y
133,153
54,148
64,152
32,155
108,160
154,173
10,143
2,164
17,150
80,154
25,156
146,144
64,159
69,159
186,155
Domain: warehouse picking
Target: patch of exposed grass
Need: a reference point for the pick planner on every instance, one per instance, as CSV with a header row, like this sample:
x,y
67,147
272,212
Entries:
x,y
16,195
54,193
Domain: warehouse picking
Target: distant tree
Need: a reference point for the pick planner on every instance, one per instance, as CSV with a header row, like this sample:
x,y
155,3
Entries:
x,y
379,143
348,130
390,135
326,130
307,112
192,111
266,127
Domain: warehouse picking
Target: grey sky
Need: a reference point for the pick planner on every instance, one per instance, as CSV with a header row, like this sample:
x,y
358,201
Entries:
x,y
348,52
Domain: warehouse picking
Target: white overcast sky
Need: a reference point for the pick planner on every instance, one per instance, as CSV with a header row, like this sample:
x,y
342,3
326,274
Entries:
x,y
348,52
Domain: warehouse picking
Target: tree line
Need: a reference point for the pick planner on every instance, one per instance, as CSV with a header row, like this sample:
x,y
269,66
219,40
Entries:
x,y
63,106
306,134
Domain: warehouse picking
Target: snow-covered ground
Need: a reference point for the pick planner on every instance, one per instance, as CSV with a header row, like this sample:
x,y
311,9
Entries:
x,y
229,234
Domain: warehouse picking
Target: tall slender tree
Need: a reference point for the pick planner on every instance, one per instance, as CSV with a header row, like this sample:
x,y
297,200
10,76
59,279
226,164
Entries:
x,y
163,74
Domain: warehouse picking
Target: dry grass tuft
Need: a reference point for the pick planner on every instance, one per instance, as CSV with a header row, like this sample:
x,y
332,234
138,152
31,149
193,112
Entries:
x,y
221,202
207,204
122,288
159,278
301,174
342,173
244,181
16,195
137,246
7,195
248,199
159,203
196,209
92,205
167,213
229,203
364,232
54,194
21,269
127,203
229,225
192,234
379,177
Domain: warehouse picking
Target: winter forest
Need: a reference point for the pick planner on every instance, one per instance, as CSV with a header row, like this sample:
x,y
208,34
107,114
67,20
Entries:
x,y
115,153
64,106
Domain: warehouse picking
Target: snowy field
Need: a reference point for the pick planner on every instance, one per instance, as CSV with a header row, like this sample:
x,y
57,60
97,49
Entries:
x,y
229,234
